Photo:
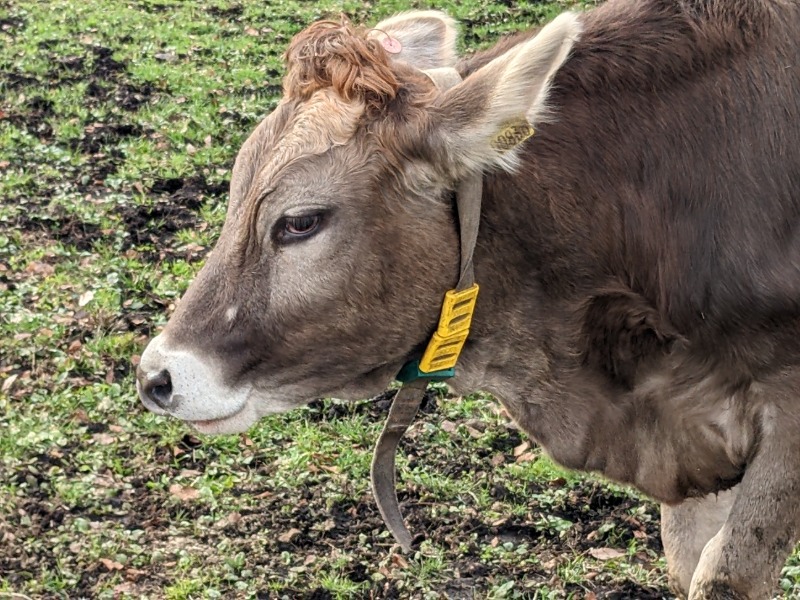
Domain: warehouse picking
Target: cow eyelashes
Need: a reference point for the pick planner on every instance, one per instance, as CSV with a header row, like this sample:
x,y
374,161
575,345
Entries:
x,y
293,229
297,226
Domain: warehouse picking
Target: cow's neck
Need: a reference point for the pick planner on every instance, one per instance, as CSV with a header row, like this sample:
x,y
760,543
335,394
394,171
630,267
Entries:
x,y
532,364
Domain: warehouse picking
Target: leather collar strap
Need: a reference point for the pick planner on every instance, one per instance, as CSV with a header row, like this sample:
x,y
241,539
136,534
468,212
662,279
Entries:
x,y
409,397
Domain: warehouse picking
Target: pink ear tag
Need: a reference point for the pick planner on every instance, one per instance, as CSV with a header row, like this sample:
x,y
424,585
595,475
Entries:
x,y
391,45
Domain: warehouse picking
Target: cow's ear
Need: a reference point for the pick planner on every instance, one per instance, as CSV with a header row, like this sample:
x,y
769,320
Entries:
x,y
483,120
425,39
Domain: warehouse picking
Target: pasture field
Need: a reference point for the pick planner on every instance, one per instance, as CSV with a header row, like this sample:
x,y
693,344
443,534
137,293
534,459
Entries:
x,y
119,123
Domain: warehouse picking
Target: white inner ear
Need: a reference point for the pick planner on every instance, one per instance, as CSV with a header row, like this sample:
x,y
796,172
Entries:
x,y
528,72
512,87
427,38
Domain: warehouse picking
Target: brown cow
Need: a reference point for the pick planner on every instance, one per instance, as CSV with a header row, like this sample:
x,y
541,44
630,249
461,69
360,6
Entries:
x,y
638,257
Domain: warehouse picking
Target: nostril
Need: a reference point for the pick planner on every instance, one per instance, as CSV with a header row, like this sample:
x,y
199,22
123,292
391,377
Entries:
x,y
159,388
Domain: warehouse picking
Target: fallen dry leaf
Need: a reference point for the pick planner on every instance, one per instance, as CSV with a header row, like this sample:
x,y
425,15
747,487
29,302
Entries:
x,y
183,493
40,268
448,426
549,565
111,565
104,439
474,432
134,574
527,457
123,588
399,561
328,525
231,519
606,553
80,416
85,298
8,382
522,448
289,535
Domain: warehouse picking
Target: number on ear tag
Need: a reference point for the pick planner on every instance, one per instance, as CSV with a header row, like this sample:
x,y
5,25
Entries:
x,y
512,134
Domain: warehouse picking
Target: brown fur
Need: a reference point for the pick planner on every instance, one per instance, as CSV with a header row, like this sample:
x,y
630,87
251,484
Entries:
x,y
337,55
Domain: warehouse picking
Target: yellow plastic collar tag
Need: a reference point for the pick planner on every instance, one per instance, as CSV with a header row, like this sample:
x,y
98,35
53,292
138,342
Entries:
x,y
512,134
447,342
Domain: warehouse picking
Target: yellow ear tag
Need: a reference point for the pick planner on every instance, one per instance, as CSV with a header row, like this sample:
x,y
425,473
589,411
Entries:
x,y
512,134
446,343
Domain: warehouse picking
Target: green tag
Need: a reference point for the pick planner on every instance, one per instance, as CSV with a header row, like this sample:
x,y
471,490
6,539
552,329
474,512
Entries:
x,y
411,372
512,134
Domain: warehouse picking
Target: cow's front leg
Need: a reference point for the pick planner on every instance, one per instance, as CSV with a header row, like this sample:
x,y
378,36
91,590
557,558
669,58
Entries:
x,y
743,560
686,529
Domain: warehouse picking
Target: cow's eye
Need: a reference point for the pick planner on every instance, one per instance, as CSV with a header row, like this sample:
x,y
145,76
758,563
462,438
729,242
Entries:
x,y
297,228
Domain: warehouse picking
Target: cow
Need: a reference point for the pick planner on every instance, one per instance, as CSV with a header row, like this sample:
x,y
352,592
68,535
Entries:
x,y
638,253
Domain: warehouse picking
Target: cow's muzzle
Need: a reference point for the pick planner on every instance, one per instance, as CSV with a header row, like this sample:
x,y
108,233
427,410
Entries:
x,y
186,384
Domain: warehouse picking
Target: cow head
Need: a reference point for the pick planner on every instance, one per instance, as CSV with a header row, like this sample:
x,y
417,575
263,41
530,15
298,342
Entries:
x,y
340,238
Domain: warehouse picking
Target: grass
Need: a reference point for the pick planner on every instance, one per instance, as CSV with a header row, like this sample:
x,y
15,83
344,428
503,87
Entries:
x,y
119,123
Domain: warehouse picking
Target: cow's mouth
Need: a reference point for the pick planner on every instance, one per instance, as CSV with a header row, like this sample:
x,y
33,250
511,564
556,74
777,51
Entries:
x,y
237,422
201,426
